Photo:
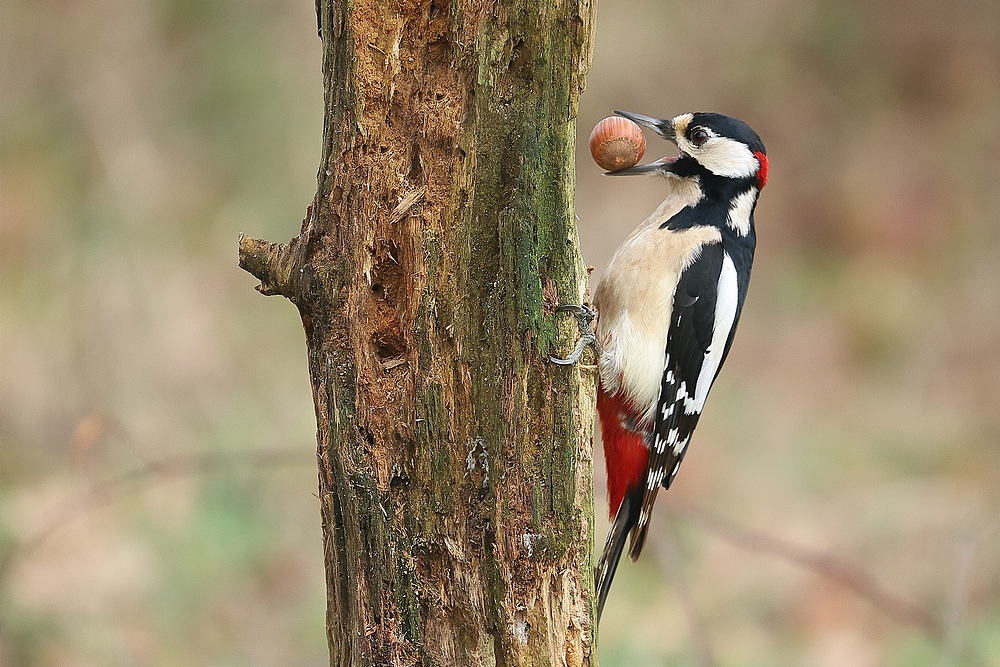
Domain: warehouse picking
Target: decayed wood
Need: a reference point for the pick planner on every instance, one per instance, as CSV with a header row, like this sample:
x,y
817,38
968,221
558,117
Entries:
x,y
454,460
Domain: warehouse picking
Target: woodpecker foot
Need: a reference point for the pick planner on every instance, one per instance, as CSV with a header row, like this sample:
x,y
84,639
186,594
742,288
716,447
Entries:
x,y
584,319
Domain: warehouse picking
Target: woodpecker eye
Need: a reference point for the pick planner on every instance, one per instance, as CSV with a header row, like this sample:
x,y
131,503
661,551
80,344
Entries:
x,y
699,136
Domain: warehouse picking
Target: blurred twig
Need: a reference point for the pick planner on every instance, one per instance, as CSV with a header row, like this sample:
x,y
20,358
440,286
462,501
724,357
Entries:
x,y
669,556
823,563
965,553
108,490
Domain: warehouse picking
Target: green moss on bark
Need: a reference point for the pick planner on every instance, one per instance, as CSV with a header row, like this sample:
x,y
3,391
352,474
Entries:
x,y
454,460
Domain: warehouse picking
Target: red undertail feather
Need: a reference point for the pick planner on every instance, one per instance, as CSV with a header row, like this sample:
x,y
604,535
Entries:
x,y
625,453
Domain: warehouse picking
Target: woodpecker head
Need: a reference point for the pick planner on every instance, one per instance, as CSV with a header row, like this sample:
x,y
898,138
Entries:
x,y
709,143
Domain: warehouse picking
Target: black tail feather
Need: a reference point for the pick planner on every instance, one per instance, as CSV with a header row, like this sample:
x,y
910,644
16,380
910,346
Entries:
x,y
638,540
625,520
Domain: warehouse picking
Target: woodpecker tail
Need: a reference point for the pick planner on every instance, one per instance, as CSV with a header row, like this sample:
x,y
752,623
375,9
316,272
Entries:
x,y
625,520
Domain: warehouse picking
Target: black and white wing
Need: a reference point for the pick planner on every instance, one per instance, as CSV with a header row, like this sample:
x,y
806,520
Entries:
x,y
706,307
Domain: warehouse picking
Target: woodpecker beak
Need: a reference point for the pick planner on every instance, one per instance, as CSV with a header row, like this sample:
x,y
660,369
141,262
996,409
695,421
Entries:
x,y
657,166
664,128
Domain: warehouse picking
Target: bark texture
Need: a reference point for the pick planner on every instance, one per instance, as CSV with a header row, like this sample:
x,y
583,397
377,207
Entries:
x,y
455,465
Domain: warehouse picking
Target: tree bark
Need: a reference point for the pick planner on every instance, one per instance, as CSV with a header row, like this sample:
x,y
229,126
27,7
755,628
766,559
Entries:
x,y
455,469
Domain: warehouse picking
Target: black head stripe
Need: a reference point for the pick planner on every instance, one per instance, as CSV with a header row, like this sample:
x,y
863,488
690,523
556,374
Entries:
x,y
727,126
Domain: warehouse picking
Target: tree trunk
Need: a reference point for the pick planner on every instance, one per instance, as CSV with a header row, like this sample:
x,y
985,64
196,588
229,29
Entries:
x,y
454,460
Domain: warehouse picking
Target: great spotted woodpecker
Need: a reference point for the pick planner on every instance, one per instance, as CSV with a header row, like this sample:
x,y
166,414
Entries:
x,y
667,309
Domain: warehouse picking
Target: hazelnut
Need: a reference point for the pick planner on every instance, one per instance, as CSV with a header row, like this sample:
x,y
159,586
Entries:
x,y
617,143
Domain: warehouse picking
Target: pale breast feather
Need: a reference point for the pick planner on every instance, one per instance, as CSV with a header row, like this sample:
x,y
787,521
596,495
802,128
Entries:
x,y
634,302
635,297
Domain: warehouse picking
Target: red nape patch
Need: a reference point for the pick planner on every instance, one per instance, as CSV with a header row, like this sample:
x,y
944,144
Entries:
x,y
625,454
761,170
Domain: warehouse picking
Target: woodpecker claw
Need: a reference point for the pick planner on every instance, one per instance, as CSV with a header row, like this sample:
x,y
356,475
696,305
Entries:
x,y
584,319
585,340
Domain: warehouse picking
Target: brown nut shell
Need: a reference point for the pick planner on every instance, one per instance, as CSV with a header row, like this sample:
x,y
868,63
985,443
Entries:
x,y
617,143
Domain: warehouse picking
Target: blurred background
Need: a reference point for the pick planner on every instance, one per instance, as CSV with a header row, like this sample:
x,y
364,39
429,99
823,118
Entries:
x,y
858,417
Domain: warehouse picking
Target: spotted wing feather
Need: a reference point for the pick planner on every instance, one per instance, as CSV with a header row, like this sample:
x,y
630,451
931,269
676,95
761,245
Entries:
x,y
692,326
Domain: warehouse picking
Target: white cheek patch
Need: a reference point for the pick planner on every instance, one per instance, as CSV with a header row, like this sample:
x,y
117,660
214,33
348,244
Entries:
x,y
727,157
684,145
720,155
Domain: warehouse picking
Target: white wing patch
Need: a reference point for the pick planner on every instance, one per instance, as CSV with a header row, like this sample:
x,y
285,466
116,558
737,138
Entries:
x,y
690,403
740,210
726,302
